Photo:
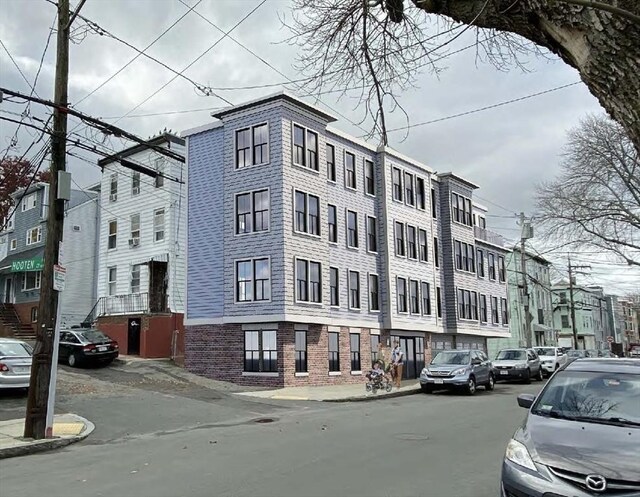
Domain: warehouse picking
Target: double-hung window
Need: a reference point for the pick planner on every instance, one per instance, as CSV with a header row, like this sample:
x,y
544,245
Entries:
x,y
113,187
501,271
307,213
369,178
135,183
354,290
331,162
414,296
112,238
420,194
31,280
112,280
299,145
436,254
334,351
372,239
312,150
354,346
423,250
483,308
461,313
260,351
494,310
505,311
434,209
412,251
399,235
374,293
159,180
426,298
455,213
308,281
253,280
439,301
34,235
29,202
396,179
480,262
350,170
252,146
458,254
301,351
135,278
408,189
243,213
334,287
401,290
135,228
158,225
332,219
352,229
492,266
261,210
474,306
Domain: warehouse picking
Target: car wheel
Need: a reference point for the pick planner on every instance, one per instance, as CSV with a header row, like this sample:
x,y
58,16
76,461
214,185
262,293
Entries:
x,y
527,378
540,376
471,386
72,360
491,384
426,388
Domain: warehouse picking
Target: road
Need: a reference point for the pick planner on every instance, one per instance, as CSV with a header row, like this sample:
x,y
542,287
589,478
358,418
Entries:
x,y
186,439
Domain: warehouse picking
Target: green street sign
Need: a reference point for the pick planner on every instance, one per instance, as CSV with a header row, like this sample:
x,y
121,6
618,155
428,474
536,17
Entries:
x,y
35,264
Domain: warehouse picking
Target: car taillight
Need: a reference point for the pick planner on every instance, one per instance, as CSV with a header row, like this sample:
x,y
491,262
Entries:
x,y
89,348
3,368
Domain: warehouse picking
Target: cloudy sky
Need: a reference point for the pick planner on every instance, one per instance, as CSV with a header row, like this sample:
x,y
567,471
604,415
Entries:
x,y
506,149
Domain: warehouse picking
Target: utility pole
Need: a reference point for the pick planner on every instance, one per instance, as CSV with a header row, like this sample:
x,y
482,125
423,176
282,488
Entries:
x,y
36,415
527,232
573,309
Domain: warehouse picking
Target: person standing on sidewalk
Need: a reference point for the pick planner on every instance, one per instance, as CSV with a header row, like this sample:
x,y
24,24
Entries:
x,y
397,361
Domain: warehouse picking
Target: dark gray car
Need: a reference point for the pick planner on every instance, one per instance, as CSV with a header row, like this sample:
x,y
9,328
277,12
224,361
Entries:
x,y
581,437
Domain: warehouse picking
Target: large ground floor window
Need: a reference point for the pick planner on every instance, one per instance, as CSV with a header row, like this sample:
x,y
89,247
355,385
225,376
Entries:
x,y
260,351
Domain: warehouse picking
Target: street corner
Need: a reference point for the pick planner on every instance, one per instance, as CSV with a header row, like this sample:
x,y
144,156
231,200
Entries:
x,y
67,429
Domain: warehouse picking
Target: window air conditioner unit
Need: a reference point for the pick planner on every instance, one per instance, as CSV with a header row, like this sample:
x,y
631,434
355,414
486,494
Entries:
x,y
134,242
113,197
135,190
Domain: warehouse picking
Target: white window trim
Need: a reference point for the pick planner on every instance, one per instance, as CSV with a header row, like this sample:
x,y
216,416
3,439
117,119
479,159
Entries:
x,y
423,310
346,227
38,281
373,311
413,189
406,295
295,282
475,254
355,169
364,177
306,213
419,313
335,166
235,150
426,239
404,239
331,306
113,179
335,373
28,241
451,208
356,373
270,374
139,187
13,244
29,202
131,279
253,280
367,217
301,375
139,230
164,225
306,129
337,225
109,281
415,186
250,193
359,308
109,233
393,198
406,248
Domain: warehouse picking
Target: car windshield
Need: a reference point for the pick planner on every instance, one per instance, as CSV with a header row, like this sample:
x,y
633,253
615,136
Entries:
x,y
546,351
610,398
576,353
451,357
511,355
94,336
14,349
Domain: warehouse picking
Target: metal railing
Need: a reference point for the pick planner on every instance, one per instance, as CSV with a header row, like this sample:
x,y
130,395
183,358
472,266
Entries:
x,y
488,236
132,303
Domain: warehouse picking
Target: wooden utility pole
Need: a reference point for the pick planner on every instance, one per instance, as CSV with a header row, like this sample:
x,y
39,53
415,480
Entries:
x,y
525,289
571,303
35,420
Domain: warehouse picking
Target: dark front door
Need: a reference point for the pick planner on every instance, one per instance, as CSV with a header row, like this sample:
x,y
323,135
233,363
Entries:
x,y
158,275
413,348
8,291
133,336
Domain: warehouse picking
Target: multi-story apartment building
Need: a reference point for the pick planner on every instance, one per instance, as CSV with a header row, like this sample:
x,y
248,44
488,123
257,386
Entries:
x,y
310,251
592,320
540,307
23,241
142,244
630,321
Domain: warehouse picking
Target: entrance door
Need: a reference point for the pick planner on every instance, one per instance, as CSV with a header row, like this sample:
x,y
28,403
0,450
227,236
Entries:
x,y
158,282
8,296
133,336
413,348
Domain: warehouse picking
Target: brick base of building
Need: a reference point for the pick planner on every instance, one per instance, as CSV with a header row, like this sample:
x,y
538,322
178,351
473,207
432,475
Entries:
x,y
157,333
24,311
217,352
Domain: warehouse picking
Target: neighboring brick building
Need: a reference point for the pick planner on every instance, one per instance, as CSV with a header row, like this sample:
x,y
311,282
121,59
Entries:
x,y
308,250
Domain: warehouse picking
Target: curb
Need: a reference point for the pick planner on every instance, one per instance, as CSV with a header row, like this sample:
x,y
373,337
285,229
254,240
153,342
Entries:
x,y
371,398
48,444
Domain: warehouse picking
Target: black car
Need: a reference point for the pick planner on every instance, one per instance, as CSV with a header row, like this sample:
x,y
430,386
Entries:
x,y
86,346
581,436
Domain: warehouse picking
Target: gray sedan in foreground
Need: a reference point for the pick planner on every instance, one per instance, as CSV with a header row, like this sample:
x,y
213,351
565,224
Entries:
x,y
581,436
15,363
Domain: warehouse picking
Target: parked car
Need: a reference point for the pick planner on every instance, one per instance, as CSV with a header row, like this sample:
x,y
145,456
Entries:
x,y
458,369
517,364
634,350
86,346
607,354
551,358
581,435
15,363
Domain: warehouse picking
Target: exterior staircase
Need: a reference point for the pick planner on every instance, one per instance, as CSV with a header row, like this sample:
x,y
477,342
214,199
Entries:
x,y
12,326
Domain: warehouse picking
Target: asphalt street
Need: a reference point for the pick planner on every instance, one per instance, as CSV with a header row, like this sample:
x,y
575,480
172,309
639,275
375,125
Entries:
x,y
158,435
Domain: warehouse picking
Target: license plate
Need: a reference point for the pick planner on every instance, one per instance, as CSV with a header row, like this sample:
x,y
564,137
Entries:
x,y
20,369
504,372
438,382
102,349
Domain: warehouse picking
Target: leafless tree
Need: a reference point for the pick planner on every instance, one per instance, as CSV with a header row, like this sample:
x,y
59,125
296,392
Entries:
x,y
381,44
595,201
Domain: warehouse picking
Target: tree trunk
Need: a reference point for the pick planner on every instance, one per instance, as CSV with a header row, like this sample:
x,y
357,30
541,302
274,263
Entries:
x,y
604,47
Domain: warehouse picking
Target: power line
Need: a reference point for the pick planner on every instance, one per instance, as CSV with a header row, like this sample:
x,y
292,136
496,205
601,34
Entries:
x,y
18,67
497,205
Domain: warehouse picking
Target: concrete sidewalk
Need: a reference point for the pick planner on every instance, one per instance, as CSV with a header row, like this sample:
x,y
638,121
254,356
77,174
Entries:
x,y
334,393
67,429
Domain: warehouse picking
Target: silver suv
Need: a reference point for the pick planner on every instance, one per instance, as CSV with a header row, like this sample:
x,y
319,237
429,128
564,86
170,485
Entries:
x,y
517,364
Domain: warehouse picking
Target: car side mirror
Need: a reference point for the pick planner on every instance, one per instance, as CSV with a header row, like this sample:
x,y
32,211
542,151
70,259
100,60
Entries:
x,y
526,400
